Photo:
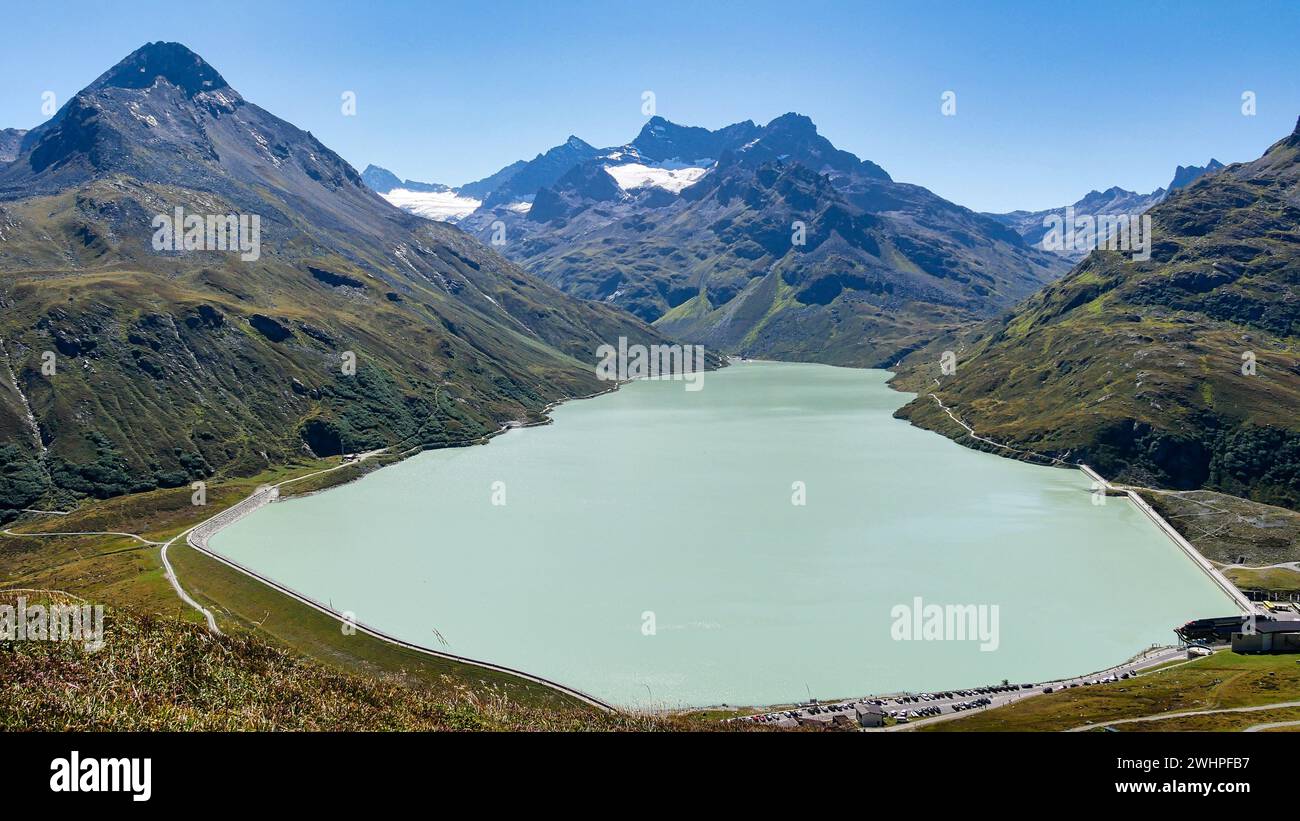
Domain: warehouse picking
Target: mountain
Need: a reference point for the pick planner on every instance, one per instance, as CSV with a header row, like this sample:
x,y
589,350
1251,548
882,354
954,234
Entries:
x,y
10,139
426,199
516,183
381,181
794,138
539,172
479,189
695,230
662,141
1185,176
512,186
1032,225
172,365
1181,371
664,154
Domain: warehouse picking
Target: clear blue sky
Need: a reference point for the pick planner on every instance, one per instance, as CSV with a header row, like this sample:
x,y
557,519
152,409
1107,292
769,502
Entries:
x,y
1053,99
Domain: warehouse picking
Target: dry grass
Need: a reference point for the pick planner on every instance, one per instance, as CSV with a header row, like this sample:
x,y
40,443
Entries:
x,y
1229,529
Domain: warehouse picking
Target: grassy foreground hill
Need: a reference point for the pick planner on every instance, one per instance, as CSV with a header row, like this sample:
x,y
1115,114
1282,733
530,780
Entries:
x,y
1182,371
279,665
158,674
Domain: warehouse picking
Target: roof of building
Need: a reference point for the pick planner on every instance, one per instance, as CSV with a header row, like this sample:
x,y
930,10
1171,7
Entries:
x,y
1277,626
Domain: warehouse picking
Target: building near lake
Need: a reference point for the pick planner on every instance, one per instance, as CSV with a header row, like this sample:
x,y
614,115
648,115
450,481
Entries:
x,y
870,715
1269,637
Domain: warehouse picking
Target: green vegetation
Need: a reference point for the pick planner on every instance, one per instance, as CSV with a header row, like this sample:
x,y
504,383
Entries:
x,y
1154,389
21,482
126,369
1222,680
244,605
1216,722
1271,578
124,572
118,570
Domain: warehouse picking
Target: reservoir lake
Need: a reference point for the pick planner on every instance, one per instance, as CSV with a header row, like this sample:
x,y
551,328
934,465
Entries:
x,y
649,550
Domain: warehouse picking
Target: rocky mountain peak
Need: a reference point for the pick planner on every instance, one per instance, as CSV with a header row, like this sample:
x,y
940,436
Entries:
x,y
662,139
1184,176
656,125
793,123
171,62
380,179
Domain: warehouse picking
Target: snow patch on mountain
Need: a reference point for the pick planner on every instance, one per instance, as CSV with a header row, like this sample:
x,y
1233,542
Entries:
x,y
670,176
443,206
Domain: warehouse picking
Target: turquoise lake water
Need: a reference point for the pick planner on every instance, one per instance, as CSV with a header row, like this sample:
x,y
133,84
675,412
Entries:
x,y
657,504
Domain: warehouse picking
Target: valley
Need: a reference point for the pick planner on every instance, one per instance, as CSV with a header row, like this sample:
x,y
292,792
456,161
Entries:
x,y
764,241
356,339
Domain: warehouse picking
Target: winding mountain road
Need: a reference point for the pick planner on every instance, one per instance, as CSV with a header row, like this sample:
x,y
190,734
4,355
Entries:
x,y
972,434
239,509
170,571
138,538
180,591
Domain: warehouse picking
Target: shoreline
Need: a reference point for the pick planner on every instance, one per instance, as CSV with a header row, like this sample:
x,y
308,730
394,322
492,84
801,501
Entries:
x,y
1222,581
198,539
1099,482
416,450
484,439
1135,665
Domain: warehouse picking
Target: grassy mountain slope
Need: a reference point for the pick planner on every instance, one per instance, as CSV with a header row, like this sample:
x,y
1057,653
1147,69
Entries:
x,y
1137,367
170,366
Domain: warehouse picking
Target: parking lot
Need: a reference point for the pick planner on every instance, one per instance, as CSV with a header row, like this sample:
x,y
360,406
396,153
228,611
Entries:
x,y
907,710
